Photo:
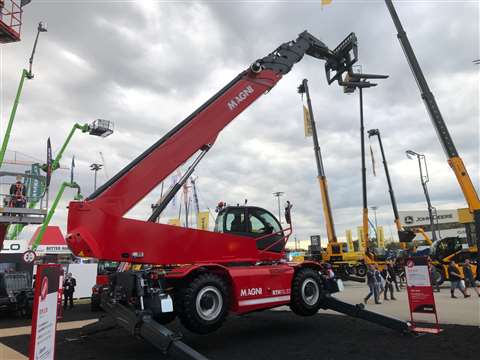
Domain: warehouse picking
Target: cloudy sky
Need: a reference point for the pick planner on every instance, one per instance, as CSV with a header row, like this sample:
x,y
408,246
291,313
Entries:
x,y
147,65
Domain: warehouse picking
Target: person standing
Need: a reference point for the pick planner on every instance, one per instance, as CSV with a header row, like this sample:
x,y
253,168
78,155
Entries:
x,y
433,274
470,280
380,282
455,280
393,275
68,289
18,194
388,284
372,285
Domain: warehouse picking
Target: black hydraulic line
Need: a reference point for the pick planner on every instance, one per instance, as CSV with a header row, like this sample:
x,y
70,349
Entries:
x,y
359,311
173,191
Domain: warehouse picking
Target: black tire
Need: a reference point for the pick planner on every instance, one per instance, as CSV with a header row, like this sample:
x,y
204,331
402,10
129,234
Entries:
x,y
95,304
202,304
361,270
440,275
307,292
165,318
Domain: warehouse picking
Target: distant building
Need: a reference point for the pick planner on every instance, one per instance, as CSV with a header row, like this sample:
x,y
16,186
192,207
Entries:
x,y
447,220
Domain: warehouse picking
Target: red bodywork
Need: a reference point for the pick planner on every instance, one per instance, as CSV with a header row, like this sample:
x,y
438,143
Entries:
x,y
10,22
97,228
252,287
258,279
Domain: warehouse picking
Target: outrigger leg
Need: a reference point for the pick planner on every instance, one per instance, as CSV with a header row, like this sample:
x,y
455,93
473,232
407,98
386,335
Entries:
x,y
359,311
143,326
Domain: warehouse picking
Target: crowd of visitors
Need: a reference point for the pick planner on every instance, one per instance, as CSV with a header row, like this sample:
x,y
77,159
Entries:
x,y
391,279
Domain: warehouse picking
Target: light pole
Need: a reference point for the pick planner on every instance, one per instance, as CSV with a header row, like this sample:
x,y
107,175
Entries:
x,y
360,81
424,179
278,194
95,167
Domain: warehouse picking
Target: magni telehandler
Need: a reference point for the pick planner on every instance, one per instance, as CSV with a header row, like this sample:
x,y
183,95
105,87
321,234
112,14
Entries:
x,y
201,276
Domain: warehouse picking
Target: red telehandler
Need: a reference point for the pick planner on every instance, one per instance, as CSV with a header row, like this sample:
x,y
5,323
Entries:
x,y
200,276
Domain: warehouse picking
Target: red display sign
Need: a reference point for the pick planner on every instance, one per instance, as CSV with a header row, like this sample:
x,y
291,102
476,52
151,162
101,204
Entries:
x,y
44,320
420,291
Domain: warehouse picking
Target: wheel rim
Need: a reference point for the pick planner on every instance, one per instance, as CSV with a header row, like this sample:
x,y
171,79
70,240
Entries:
x,y
361,271
209,303
310,292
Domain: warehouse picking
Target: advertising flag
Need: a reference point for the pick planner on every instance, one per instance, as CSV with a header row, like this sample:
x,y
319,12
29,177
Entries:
x,y
307,122
203,219
71,169
361,241
175,222
381,237
49,162
349,237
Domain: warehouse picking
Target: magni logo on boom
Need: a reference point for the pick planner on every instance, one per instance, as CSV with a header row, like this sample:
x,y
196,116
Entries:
x,y
242,95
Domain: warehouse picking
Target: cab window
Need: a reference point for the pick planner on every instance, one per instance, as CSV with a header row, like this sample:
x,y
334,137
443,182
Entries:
x,y
235,221
262,222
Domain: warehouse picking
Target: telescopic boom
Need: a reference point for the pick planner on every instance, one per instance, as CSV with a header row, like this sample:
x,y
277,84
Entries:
x,y
454,160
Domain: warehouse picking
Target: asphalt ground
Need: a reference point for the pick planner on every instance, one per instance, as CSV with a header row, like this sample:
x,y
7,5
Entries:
x,y
264,335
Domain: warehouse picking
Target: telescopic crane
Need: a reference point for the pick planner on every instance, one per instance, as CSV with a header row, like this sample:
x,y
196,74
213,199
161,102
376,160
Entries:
x,y
404,236
322,178
454,159
236,268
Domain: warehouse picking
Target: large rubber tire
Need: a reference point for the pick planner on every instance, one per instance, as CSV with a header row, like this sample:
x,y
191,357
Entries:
x,y
95,304
165,318
202,305
361,270
307,292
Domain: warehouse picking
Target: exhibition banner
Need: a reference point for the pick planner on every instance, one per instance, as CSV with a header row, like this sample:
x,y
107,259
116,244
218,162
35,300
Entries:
x,y
420,291
44,319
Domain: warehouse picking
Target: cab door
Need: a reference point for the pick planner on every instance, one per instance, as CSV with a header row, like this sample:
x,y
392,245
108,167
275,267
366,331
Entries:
x,y
263,225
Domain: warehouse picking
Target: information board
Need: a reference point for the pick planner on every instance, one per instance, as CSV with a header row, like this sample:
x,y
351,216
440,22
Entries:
x,y
44,319
420,291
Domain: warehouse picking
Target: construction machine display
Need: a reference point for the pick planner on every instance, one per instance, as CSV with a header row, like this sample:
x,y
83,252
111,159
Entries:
x,y
344,263
196,275
404,236
454,159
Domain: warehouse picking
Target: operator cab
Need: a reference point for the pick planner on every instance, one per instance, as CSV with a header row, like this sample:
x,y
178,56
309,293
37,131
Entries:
x,y
445,247
253,222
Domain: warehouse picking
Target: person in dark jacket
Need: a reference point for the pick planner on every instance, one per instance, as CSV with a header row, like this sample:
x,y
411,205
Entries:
x,y
388,284
18,194
393,275
372,285
68,289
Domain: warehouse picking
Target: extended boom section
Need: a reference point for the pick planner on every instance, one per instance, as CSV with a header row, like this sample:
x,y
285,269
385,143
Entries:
x,y
96,227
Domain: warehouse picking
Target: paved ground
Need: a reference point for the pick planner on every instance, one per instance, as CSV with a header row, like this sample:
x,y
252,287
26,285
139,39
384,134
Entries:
x,y
272,335
450,311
